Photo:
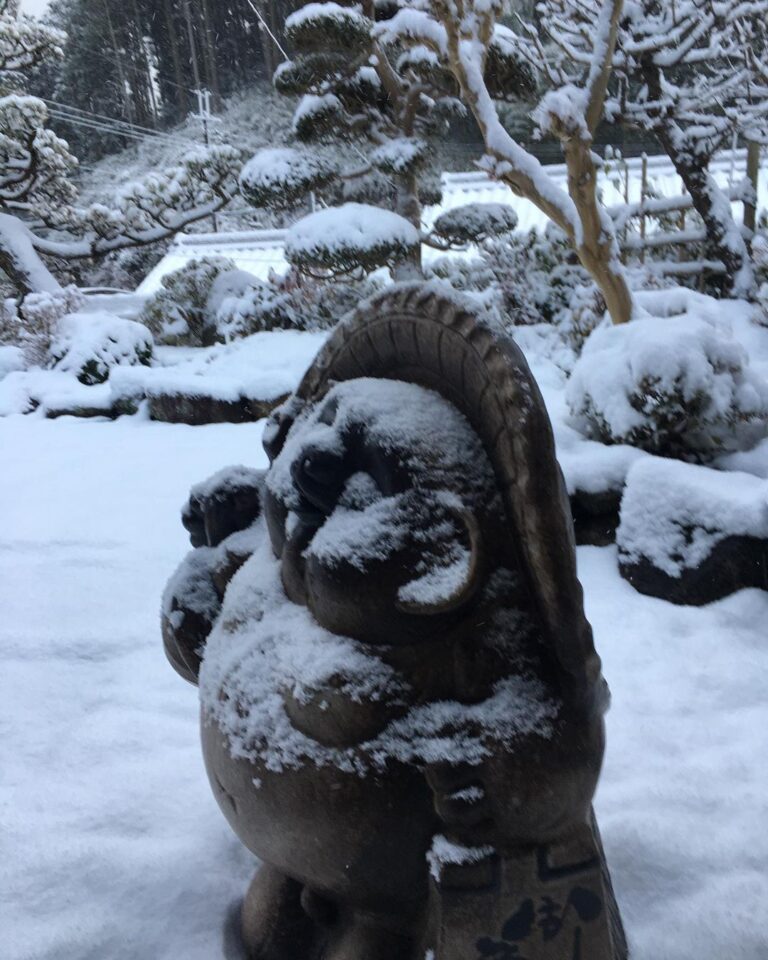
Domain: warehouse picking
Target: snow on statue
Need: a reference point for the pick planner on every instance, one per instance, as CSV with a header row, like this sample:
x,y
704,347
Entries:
x,y
402,707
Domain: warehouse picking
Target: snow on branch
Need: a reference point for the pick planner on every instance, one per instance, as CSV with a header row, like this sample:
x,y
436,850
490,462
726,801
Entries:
x,y
694,74
571,113
474,223
279,177
154,208
24,42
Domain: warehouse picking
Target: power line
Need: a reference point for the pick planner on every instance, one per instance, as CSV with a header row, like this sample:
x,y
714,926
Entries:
x,y
90,114
97,125
264,24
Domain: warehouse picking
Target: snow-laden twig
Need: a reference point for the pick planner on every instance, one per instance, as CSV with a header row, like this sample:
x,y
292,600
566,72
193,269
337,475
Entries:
x,y
570,113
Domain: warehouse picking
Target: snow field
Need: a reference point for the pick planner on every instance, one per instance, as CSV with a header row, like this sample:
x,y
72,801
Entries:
x,y
113,845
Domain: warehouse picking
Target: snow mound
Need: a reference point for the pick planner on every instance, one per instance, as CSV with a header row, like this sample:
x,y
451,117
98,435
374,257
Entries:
x,y
340,239
260,367
11,359
677,386
674,514
89,345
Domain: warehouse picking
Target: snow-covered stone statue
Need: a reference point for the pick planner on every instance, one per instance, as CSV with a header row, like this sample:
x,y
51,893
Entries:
x,y
402,708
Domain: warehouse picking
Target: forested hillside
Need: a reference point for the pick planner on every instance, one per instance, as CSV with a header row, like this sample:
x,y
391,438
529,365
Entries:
x,y
150,56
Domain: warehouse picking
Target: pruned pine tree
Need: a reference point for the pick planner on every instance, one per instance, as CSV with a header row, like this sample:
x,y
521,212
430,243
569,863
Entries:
x,y
466,35
693,73
38,215
366,85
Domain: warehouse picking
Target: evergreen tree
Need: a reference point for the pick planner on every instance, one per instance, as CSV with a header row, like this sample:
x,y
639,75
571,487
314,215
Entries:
x,y
364,84
35,184
69,80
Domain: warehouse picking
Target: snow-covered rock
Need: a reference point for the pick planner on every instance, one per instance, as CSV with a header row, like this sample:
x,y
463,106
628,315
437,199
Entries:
x,y
691,534
88,345
226,383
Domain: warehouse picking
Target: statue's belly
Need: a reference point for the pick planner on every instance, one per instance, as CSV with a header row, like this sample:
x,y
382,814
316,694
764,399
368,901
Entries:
x,y
363,839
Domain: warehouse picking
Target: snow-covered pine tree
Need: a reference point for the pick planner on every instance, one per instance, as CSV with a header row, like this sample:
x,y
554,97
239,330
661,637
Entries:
x,y
384,99
38,216
693,73
465,33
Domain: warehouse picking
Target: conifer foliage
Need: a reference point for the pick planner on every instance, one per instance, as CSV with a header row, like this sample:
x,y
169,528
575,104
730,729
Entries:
x,y
366,85
35,184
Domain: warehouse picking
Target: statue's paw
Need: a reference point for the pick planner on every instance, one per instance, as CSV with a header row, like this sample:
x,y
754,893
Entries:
x,y
223,504
462,803
191,603
274,922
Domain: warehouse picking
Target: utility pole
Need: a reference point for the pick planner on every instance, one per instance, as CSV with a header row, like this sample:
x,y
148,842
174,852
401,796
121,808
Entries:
x,y
753,173
205,117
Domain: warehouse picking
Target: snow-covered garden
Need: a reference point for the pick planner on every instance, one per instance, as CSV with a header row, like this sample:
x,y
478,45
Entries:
x,y
643,315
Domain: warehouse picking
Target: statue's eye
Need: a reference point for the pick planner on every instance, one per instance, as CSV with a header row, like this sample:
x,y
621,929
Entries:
x,y
319,476
328,413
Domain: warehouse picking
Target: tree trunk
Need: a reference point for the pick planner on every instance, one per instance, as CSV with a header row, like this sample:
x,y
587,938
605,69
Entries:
x,y
724,237
598,251
19,260
407,205
170,28
209,52
753,172
125,90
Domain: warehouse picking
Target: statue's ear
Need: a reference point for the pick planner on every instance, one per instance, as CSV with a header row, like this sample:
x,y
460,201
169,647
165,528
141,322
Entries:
x,y
471,582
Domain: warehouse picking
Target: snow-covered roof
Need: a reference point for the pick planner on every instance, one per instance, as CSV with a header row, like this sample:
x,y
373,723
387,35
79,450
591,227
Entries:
x,y
259,251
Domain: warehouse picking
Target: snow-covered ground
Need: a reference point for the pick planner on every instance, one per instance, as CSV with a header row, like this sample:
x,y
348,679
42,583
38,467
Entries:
x,y
112,845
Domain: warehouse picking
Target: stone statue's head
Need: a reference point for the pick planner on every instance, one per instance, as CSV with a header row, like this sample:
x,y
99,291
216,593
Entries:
x,y
414,463
384,510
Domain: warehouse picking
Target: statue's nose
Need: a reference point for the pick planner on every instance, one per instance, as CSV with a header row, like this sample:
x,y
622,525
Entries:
x,y
319,476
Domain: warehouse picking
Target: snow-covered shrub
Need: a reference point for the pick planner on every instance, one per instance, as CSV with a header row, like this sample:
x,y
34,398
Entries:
x,y
341,240
33,325
527,278
760,260
90,344
291,301
11,359
177,314
124,269
584,312
281,176
674,386
475,222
